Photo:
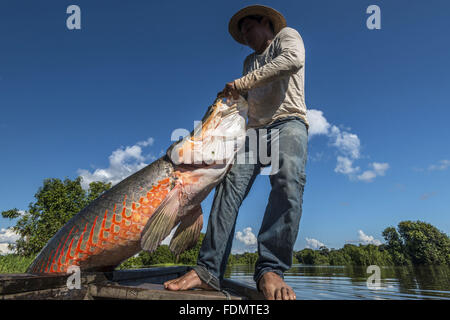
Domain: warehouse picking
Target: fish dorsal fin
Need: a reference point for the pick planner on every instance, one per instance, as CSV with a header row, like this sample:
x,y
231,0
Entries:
x,y
188,231
162,221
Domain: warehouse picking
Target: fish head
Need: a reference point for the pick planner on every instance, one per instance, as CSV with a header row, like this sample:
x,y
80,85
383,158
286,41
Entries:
x,y
216,138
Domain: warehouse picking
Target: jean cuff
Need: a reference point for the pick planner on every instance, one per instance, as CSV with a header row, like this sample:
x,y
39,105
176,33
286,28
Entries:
x,y
262,272
207,277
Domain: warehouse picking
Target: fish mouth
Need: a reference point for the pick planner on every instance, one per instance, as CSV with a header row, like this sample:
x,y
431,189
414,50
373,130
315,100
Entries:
x,y
216,137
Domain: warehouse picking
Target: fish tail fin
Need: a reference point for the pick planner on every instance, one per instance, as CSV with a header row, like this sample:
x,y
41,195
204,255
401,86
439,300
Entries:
x,y
162,221
188,231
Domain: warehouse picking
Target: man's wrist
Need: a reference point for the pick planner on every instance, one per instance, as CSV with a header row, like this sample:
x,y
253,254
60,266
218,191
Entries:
x,y
237,85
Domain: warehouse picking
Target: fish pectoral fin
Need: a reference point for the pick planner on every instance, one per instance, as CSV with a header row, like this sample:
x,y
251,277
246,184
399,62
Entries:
x,y
188,231
162,221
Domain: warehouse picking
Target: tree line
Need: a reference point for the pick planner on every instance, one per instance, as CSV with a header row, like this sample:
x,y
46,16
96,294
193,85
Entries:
x,y
412,243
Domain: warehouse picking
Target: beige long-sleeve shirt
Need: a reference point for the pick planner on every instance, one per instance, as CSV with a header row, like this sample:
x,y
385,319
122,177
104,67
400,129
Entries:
x,y
274,80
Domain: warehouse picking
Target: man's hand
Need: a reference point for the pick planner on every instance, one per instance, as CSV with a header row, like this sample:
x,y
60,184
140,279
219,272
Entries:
x,y
229,91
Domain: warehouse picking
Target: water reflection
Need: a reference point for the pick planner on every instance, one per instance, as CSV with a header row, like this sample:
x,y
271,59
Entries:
x,y
350,282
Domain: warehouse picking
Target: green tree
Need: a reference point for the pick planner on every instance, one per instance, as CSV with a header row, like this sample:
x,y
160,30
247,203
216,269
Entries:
x,y
339,258
190,256
310,256
395,246
424,243
161,255
231,260
324,251
56,202
305,256
251,257
132,263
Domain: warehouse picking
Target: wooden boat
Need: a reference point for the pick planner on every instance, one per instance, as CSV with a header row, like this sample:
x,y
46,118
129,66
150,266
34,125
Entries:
x,y
137,284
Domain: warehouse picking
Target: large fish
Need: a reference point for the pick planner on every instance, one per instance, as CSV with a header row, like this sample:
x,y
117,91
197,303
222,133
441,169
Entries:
x,y
139,212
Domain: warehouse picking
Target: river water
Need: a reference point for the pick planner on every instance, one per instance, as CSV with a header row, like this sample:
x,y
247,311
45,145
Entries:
x,y
351,282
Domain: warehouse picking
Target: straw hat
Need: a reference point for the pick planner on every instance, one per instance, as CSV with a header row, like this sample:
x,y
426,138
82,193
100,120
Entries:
x,y
278,21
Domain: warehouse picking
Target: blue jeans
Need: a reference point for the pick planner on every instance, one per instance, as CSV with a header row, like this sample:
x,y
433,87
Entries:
x,y
281,220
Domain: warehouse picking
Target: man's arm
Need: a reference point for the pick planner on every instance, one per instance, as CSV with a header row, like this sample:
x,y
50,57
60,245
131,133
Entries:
x,y
244,73
288,62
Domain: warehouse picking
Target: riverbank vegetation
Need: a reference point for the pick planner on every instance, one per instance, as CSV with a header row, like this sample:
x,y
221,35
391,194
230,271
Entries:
x,y
14,263
412,243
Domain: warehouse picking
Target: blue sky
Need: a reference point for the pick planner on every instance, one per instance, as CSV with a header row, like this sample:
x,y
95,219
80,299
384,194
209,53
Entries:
x,y
108,96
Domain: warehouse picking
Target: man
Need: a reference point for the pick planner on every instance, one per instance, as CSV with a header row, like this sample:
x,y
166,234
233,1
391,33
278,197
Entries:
x,y
273,84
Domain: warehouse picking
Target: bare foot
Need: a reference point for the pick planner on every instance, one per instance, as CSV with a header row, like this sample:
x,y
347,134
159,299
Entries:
x,y
187,281
274,288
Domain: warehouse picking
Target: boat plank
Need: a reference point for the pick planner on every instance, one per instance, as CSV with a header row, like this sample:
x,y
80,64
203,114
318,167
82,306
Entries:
x,y
135,284
148,291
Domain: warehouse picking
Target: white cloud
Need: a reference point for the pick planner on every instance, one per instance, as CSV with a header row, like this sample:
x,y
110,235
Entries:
x,y
122,163
440,166
345,166
427,195
243,250
314,243
7,236
4,249
318,156
443,165
367,176
146,143
366,239
378,169
348,147
247,237
347,143
22,213
317,123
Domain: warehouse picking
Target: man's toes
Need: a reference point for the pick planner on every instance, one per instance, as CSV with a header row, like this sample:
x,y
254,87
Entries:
x,y
269,294
278,294
293,296
173,286
285,293
166,284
